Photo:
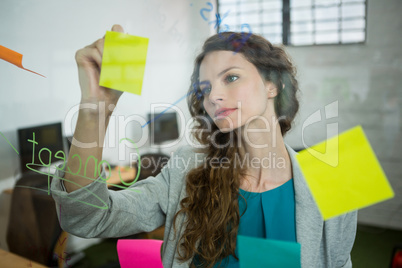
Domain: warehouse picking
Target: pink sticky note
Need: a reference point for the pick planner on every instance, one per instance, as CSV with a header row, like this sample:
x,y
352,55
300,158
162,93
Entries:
x,y
139,253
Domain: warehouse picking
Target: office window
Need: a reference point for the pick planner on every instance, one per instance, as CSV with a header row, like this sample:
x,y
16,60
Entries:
x,y
298,22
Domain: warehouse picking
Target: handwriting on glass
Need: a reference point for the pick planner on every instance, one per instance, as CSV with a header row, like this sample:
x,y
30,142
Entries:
x,y
218,24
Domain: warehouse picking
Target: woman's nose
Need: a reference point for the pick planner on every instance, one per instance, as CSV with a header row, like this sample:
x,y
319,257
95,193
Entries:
x,y
217,94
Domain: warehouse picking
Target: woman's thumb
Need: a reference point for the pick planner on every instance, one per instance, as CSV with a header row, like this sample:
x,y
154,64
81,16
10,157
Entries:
x,y
117,28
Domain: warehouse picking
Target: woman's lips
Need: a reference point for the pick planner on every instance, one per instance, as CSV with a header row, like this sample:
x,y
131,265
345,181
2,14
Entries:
x,y
222,113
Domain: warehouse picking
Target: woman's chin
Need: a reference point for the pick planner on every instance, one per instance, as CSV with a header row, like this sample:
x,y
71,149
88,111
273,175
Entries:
x,y
224,126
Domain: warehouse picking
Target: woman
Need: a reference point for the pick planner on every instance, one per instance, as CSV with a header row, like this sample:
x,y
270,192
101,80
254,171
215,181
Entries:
x,y
243,98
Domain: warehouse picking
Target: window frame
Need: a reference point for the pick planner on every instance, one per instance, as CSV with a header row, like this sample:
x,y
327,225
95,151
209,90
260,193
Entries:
x,y
286,23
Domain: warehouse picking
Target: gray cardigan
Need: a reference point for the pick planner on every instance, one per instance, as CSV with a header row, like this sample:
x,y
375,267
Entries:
x,y
323,244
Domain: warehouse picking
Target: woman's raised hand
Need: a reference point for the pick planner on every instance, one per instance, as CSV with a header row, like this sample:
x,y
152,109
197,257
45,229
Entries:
x,y
89,61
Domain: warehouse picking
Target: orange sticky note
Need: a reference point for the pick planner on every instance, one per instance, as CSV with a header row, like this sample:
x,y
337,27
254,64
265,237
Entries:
x,y
347,176
13,57
123,62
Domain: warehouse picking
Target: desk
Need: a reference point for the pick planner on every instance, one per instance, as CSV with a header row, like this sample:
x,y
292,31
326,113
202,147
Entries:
x,y
128,175
8,259
8,191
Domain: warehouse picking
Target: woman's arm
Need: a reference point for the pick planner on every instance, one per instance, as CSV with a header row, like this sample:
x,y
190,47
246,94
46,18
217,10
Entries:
x,y
340,233
93,118
95,211
348,228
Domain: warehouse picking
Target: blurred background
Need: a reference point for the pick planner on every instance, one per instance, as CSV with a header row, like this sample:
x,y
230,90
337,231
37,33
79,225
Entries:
x,y
347,52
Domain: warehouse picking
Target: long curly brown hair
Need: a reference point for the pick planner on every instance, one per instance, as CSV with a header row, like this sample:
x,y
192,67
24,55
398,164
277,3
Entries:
x,y
211,206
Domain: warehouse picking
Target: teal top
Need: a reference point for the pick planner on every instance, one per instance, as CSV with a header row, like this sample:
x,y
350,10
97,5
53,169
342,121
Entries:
x,y
270,215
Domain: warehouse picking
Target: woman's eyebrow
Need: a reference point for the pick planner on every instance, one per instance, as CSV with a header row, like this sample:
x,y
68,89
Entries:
x,y
227,69
223,72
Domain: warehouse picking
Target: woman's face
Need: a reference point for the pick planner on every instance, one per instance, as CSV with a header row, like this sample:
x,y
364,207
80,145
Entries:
x,y
234,91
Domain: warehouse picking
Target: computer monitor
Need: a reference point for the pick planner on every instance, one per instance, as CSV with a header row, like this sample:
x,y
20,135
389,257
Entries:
x,y
47,136
163,127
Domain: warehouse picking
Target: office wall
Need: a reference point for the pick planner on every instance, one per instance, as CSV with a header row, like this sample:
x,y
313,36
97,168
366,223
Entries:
x,y
364,82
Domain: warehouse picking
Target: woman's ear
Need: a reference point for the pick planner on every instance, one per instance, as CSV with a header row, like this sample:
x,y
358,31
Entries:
x,y
271,90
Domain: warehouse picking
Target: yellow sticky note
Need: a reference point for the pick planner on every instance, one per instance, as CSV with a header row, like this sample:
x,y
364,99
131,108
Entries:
x,y
347,176
123,62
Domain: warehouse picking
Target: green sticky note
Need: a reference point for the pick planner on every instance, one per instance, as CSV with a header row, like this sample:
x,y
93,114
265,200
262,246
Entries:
x,y
123,62
343,174
259,252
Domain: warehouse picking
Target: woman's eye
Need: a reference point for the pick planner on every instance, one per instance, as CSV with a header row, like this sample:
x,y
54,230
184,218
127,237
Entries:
x,y
206,90
231,78
201,89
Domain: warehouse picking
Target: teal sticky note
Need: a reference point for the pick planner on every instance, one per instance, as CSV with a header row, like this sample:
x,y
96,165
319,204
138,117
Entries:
x,y
259,252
